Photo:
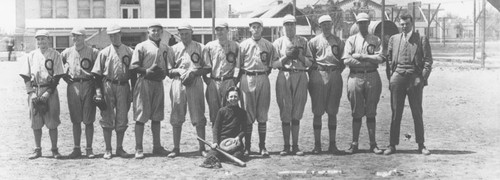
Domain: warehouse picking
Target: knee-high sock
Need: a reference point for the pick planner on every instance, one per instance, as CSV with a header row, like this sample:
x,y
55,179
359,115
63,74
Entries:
x,y
89,134
107,132
262,128
295,132
317,130
200,131
177,135
53,137
356,127
155,131
332,128
38,137
371,125
248,136
77,133
139,133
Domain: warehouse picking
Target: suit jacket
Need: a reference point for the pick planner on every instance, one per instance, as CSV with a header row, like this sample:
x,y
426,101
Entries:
x,y
420,54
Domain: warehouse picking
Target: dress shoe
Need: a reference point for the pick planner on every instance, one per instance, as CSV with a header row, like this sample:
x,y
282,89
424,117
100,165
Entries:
x,y
264,152
297,151
107,154
37,152
139,154
286,151
56,154
390,150
77,152
122,153
316,150
175,152
423,150
90,154
353,149
160,151
375,149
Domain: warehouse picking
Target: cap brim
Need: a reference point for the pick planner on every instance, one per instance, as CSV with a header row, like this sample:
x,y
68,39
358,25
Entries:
x,y
113,32
362,20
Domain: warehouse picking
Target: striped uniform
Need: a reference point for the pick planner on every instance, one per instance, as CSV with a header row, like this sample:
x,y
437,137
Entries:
x,y
188,58
256,58
222,59
325,81
81,91
291,84
149,95
363,85
113,64
35,69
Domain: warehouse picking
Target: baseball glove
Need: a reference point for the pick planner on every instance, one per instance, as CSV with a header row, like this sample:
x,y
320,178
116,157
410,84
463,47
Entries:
x,y
187,78
292,52
157,73
211,162
40,106
100,103
230,145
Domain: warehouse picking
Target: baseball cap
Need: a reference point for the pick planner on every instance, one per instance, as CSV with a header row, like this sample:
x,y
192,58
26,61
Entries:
x,y
362,17
78,30
324,18
42,33
113,29
256,20
184,27
155,24
221,24
289,18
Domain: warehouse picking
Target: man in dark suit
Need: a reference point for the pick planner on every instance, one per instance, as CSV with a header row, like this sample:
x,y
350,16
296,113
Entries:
x,y
410,58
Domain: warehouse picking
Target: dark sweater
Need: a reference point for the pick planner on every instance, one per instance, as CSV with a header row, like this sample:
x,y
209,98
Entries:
x,y
230,121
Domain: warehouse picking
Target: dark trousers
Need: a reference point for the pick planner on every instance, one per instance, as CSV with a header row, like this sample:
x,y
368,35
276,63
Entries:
x,y
402,84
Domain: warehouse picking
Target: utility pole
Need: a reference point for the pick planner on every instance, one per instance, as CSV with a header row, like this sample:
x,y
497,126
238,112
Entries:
x,y
427,34
483,51
213,19
294,6
413,7
474,39
444,31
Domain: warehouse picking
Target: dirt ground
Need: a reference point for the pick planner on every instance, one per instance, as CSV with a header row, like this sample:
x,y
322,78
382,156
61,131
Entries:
x,y
461,117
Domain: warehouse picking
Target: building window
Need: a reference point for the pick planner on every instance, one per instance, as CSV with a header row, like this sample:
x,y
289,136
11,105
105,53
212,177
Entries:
x,y
62,42
98,10
161,9
196,37
130,9
46,8
83,8
207,12
51,8
207,38
175,8
195,8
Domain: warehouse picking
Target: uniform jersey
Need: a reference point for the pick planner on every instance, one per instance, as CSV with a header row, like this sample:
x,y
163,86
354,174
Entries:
x,y
113,63
291,86
222,59
149,94
256,56
325,82
41,68
188,58
79,65
363,85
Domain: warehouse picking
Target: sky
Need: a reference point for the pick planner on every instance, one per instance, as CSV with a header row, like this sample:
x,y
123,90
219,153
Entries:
x,y
462,8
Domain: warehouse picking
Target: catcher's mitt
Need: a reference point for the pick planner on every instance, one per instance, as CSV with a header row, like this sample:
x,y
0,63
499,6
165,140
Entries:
x,y
156,74
292,52
100,103
187,78
211,162
40,107
230,145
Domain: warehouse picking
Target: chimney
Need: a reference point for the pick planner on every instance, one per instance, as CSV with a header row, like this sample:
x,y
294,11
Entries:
x,y
280,2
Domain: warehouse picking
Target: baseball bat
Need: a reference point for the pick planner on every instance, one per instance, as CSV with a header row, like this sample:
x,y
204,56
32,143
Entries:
x,y
229,156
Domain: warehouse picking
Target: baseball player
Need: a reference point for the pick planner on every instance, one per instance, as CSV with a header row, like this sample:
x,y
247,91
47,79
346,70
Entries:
x,y
221,56
41,73
79,60
150,60
294,58
410,58
256,55
187,87
362,55
325,81
229,123
112,75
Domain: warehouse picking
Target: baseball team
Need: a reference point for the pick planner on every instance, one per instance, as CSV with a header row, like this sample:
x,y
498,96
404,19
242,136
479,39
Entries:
x,y
238,89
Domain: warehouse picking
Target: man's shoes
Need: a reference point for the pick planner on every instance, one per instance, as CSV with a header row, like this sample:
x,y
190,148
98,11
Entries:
x,y
122,153
203,153
264,152
316,150
37,152
77,152
175,152
89,153
107,154
422,149
286,151
139,154
353,149
334,150
160,151
247,153
375,149
390,150
56,154
297,151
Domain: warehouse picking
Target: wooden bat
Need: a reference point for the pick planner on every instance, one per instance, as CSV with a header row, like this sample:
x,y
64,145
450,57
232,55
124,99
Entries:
x,y
229,156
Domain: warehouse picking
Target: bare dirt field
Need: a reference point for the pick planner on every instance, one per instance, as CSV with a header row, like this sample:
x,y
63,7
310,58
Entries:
x,y
461,117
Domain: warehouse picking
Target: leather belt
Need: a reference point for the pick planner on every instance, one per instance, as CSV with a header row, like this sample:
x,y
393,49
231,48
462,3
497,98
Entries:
x,y
43,85
363,71
326,68
221,78
254,73
292,70
117,82
80,79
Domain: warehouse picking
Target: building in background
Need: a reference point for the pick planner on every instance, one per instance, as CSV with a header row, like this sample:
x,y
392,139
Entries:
x,y
60,16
